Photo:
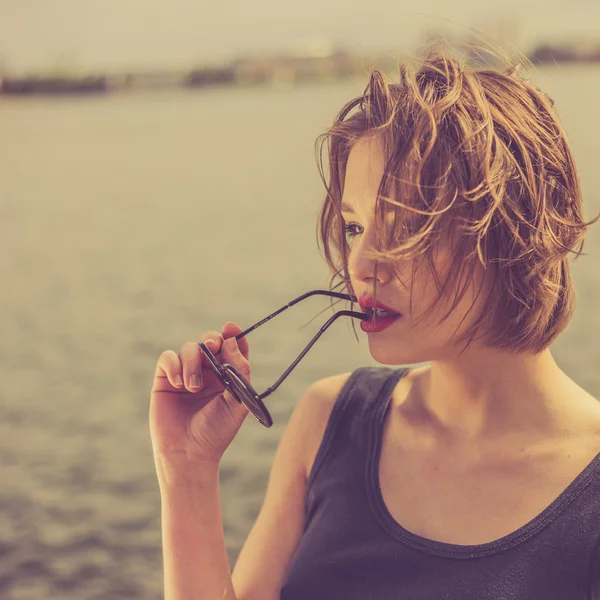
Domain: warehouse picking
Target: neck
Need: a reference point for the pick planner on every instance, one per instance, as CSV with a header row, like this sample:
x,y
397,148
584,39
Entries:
x,y
490,395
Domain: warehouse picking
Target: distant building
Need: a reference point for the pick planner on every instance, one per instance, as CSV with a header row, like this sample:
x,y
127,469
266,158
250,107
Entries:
x,y
296,68
563,53
210,76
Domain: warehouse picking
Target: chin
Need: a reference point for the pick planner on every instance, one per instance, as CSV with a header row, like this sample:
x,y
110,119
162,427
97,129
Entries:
x,y
395,355
404,350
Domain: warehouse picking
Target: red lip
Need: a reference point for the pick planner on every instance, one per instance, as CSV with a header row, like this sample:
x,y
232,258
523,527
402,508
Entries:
x,y
367,302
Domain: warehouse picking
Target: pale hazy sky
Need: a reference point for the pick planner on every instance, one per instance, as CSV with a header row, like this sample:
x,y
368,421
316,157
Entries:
x,y
128,33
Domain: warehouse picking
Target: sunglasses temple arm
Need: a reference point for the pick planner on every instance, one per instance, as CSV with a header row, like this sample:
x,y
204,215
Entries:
x,y
342,313
295,301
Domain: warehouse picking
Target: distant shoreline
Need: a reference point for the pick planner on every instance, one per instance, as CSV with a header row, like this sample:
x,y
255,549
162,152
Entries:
x,y
277,70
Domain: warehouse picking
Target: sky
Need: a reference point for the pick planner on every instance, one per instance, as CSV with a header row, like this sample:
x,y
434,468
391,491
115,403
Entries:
x,y
114,34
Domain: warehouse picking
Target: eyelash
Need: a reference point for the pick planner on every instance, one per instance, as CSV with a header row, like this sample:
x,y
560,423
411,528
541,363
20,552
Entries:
x,y
349,232
348,229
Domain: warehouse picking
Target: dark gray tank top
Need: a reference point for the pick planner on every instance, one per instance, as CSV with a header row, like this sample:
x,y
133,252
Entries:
x,y
353,549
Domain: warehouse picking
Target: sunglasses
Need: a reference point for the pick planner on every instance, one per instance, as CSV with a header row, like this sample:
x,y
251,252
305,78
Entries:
x,y
241,389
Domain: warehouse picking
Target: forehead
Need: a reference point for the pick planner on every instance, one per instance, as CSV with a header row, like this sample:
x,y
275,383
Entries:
x,y
364,171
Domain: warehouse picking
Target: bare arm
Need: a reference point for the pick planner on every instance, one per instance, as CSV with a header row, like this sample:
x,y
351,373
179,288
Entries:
x,y
196,565
195,560
263,563
192,422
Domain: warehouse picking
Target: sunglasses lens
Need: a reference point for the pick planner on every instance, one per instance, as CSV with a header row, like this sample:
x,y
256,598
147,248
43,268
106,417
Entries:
x,y
245,394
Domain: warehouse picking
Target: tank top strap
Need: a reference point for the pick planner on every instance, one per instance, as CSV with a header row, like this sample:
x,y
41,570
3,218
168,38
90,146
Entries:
x,y
346,438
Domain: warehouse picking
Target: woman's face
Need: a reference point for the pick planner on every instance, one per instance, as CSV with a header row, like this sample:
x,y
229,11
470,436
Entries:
x,y
404,341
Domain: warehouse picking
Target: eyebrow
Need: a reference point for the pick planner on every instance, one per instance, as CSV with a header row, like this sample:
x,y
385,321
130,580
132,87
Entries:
x,y
346,207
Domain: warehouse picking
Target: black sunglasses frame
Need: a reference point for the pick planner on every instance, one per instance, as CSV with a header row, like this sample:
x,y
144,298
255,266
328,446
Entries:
x,y
228,373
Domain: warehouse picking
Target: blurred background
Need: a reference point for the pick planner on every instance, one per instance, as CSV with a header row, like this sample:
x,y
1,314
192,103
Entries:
x,y
158,179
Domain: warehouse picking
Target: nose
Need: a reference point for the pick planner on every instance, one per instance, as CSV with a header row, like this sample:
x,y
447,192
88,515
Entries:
x,y
361,266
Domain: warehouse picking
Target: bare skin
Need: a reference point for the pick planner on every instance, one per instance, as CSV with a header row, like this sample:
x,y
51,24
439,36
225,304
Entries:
x,y
476,492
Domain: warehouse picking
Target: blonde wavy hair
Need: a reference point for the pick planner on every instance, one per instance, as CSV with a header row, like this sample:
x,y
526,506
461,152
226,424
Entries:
x,y
479,153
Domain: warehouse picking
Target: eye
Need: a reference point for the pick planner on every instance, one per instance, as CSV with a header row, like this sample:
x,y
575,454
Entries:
x,y
350,230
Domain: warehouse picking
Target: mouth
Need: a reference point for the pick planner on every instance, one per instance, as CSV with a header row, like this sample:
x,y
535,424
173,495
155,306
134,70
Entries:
x,y
378,320
379,313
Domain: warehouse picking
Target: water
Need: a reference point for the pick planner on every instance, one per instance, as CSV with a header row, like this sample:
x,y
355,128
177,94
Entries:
x,y
132,224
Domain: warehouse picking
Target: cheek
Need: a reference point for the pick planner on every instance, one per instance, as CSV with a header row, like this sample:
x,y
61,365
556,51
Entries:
x,y
424,294
430,308
467,311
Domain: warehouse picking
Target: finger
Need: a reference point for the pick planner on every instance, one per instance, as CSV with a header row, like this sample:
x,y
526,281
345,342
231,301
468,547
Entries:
x,y
231,329
190,355
213,340
168,367
232,355
212,336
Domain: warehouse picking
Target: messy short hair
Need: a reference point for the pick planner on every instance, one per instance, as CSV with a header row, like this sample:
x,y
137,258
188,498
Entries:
x,y
479,153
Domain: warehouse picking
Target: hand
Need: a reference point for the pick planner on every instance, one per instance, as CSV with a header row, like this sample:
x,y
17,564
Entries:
x,y
192,425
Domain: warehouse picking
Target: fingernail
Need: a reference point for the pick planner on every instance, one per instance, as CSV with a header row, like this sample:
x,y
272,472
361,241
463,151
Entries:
x,y
178,380
194,381
231,344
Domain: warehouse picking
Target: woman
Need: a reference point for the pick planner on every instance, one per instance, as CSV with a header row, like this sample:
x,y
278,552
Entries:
x,y
454,202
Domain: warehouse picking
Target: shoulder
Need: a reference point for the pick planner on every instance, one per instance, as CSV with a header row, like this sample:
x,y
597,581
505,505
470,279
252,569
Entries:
x,y
316,404
313,411
319,398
